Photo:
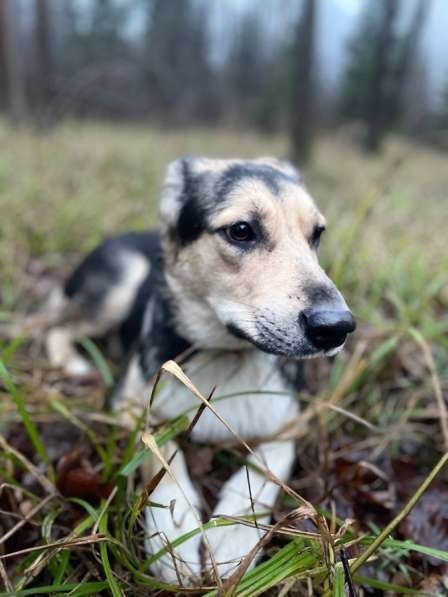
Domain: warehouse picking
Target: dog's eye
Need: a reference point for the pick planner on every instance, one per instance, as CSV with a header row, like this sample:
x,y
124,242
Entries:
x,y
315,237
241,232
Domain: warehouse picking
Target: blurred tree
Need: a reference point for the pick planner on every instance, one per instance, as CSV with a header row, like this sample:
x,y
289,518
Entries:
x,y
97,65
442,115
17,101
379,68
3,71
302,105
42,73
379,91
176,61
246,71
408,46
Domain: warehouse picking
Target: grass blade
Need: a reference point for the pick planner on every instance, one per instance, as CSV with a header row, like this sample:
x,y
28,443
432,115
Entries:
x,y
338,582
113,585
31,429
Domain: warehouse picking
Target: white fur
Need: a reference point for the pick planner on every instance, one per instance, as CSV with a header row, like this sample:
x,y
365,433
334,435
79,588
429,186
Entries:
x,y
119,300
239,497
253,413
247,375
180,514
62,352
231,544
134,391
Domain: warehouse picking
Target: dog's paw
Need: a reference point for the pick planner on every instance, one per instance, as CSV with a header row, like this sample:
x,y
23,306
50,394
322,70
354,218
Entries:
x,y
78,366
181,564
230,545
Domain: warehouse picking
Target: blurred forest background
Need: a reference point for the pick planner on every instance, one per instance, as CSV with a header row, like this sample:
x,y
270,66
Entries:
x,y
96,97
297,65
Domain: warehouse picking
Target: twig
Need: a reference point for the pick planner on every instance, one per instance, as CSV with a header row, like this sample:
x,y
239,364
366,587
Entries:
x,y
249,487
348,575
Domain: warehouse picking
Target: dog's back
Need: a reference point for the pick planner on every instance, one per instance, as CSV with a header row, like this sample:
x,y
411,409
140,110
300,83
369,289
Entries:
x,y
106,296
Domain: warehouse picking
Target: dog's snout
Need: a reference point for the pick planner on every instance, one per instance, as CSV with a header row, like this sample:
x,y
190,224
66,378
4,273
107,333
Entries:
x,y
327,328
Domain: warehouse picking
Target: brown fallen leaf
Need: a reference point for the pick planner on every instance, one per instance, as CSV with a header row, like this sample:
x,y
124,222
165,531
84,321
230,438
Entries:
x,y
78,478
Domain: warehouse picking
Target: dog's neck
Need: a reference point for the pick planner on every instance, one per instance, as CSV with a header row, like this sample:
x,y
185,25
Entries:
x,y
160,339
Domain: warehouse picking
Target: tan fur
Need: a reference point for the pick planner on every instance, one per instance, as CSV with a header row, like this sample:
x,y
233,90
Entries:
x,y
270,280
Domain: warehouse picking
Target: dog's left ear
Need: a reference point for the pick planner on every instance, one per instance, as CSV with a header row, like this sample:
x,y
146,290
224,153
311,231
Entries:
x,y
180,185
173,189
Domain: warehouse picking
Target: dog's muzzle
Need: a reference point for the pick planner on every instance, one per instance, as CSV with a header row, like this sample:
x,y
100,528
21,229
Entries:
x,y
325,328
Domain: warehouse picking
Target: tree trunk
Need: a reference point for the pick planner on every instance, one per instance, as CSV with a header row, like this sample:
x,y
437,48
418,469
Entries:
x,y
377,109
410,52
302,109
3,75
17,103
43,65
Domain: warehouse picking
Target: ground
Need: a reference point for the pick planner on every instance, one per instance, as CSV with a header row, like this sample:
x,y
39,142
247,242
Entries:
x,y
375,417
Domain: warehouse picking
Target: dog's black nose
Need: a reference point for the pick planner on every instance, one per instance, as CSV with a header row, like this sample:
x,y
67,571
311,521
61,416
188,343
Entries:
x,y
327,329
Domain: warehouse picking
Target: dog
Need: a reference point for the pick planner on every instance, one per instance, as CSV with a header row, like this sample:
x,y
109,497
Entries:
x,y
233,282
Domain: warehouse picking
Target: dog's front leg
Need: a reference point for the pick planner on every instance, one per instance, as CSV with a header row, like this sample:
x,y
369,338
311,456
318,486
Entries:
x,y
176,511
248,491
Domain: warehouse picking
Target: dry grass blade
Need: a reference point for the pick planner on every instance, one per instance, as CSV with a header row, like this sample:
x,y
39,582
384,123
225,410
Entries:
x,y
46,484
285,530
153,483
150,442
352,416
355,367
107,503
26,518
299,427
96,538
157,478
231,584
174,369
5,578
443,412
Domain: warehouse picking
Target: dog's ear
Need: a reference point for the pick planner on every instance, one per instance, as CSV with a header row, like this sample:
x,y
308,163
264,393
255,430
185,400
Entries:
x,y
283,165
173,190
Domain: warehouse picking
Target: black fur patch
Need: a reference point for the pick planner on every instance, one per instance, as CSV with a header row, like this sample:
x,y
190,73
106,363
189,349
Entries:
x,y
237,332
270,176
293,373
161,343
192,221
102,269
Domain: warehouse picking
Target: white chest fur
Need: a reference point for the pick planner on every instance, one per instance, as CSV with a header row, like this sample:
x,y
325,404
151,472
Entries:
x,y
250,395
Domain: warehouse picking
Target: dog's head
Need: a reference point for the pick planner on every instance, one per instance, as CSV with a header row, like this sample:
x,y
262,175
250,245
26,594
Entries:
x,y
240,240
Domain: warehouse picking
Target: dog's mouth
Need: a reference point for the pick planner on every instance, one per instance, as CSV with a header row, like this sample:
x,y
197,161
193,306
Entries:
x,y
320,332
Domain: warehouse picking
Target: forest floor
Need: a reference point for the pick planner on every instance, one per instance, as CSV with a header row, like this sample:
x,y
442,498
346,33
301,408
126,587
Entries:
x,y
376,416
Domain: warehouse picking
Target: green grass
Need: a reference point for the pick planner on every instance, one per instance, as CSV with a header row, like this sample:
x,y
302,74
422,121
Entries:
x,y
386,247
